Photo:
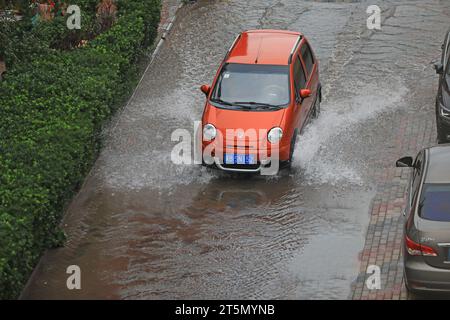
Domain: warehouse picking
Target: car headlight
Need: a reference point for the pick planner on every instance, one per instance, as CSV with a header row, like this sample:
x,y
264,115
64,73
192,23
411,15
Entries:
x,y
275,135
209,132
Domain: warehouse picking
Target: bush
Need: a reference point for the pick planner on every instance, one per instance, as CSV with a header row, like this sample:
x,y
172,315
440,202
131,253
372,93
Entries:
x,y
52,108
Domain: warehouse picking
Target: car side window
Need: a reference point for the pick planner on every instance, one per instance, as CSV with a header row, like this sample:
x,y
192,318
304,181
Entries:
x,y
307,57
299,75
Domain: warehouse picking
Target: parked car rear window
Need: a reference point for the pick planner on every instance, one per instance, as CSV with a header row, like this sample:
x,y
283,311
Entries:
x,y
253,83
435,202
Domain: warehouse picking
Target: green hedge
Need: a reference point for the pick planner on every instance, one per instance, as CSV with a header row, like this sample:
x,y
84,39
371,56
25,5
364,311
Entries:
x,y
53,104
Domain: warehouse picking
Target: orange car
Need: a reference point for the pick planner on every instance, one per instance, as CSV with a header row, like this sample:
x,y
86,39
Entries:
x,y
264,93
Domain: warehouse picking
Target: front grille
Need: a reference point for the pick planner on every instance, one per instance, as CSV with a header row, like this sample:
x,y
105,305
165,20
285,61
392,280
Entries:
x,y
235,146
242,166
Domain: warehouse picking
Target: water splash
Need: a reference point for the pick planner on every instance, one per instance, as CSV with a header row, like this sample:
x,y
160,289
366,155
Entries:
x,y
319,149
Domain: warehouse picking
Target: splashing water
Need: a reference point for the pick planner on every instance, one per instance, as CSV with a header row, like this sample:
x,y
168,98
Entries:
x,y
318,150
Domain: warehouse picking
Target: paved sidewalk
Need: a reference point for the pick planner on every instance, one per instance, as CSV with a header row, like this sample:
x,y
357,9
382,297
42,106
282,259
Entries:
x,y
385,232
168,11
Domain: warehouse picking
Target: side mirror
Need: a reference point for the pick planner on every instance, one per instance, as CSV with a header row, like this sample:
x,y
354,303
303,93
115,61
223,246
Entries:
x,y
439,68
305,93
205,89
406,162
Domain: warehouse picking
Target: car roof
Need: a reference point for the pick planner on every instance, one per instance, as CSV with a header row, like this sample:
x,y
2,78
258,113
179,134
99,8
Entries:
x,y
438,170
272,47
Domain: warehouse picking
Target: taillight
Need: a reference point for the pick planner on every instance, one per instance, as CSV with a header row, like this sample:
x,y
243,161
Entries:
x,y
415,249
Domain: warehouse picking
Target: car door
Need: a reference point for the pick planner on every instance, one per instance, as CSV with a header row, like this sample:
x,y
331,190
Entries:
x,y
312,77
445,59
443,92
446,63
300,82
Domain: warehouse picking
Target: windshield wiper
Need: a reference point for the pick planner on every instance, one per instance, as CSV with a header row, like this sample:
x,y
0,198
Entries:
x,y
256,104
248,105
221,102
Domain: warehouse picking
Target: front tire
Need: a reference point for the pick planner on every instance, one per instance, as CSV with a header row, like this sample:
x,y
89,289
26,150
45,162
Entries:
x,y
292,149
441,134
316,110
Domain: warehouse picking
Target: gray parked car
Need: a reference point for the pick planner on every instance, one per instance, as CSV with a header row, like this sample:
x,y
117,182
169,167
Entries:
x,y
426,248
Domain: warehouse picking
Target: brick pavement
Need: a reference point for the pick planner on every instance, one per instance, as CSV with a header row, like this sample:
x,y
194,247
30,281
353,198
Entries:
x,y
385,232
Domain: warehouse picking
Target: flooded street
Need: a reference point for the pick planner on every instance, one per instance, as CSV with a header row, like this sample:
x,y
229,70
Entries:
x,y
144,228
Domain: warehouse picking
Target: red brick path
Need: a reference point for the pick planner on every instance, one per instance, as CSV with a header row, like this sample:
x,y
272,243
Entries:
x,y
385,232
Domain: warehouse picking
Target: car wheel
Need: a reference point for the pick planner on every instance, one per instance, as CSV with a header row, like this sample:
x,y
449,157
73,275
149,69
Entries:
x,y
442,135
292,149
316,110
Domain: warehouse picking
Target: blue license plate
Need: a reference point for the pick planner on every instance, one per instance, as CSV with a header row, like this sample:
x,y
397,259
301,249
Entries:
x,y
231,158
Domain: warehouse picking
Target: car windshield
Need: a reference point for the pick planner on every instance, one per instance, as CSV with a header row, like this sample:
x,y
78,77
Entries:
x,y
252,86
435,202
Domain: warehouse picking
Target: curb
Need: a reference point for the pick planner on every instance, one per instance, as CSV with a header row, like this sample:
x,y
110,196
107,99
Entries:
x,y
166,31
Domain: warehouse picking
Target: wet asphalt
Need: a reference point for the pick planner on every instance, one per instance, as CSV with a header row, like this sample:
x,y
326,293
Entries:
x,y
144,228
